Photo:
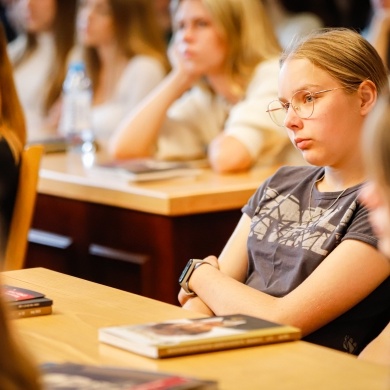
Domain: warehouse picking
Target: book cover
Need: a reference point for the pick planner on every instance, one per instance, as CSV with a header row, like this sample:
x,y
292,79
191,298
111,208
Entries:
x,y
69,376
15,294
189,336
146,169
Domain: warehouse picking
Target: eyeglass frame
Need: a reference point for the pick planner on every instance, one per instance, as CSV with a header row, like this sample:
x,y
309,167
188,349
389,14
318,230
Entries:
x,y
313,94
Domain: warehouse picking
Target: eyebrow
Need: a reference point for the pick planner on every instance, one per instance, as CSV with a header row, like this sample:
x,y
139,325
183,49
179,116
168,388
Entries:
x,y
302,88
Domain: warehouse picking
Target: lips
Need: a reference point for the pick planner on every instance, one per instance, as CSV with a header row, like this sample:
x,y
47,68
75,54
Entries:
x,y
302,143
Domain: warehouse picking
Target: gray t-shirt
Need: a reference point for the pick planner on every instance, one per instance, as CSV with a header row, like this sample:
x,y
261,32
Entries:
x,y
294,227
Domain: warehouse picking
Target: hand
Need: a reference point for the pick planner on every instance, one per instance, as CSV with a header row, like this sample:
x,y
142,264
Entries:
x,y
196,304
186,68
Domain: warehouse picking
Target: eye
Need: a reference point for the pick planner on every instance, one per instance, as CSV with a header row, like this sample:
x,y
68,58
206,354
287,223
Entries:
x,y
286,106
309,98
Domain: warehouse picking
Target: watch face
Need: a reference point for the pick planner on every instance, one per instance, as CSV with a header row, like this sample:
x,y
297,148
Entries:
x,y
185,270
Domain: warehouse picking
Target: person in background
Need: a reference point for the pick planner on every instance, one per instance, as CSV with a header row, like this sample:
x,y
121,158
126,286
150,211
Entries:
x,y
39,56
125,55
12,141
378,30
212,104
164,17
288,23
304,253
17,371
376,197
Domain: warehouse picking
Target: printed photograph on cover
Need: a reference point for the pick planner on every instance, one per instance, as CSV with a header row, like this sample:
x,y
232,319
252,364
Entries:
x,y
201,328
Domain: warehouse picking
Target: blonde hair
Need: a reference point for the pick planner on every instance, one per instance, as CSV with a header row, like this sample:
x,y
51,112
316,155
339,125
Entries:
x,y
64,38
137,32
376,143
12,123
343,54
245,26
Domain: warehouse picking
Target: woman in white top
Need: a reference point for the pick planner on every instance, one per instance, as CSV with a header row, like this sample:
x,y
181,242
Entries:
x,y
213,102
39,56
125,53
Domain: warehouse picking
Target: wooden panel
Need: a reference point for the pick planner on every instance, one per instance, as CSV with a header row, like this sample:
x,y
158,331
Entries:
x,y
135,251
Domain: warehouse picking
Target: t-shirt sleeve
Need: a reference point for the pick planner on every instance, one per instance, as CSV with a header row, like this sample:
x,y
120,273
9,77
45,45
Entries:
x,y
360,228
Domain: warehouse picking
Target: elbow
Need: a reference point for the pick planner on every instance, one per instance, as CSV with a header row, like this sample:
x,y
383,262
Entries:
x,y
229,160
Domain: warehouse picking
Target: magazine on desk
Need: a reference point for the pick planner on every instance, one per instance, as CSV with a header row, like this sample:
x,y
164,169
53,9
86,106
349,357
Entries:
x,y
146,169
189,336
26,303
70,376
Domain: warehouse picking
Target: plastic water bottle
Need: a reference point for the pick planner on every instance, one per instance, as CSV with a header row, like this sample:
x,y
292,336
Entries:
x,y
75,122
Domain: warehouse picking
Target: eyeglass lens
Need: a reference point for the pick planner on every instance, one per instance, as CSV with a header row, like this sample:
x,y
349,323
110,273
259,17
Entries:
x,y
302,103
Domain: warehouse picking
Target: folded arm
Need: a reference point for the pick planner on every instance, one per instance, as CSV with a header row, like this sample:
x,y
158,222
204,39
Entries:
x,y
321,298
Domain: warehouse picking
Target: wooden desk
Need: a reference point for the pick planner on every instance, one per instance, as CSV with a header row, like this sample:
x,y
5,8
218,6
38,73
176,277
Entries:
x,y
136,237
81,307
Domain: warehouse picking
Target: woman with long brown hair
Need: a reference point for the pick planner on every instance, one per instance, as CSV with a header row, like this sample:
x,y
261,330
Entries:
x,y
40,55
124,50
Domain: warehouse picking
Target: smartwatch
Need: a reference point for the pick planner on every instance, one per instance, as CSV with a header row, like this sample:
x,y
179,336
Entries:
x,y
190,267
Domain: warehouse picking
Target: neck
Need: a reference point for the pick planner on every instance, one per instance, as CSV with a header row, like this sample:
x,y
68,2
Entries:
x,y
340,179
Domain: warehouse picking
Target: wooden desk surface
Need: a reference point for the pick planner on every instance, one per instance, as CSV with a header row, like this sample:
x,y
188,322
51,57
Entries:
x,y
65,175
81,307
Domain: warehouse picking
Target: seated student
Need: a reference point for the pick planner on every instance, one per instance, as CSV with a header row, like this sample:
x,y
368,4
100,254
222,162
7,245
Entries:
x,y
225,64
125,53
299,253
16,370
40,60
376,197
378,30
12,141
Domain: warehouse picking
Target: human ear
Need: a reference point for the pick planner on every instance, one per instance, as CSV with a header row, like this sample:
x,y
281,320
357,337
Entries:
x,y
367,93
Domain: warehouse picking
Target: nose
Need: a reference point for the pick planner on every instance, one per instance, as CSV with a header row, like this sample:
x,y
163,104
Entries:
x,y
187,33
292,120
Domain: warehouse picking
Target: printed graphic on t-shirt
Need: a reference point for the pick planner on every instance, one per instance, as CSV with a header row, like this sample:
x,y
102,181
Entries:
x,y
282,219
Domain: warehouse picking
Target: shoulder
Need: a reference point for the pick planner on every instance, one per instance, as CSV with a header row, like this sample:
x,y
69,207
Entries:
x,y
265,77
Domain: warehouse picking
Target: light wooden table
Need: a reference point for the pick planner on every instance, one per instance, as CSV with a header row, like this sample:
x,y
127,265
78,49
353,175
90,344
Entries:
x,y
136,237
81,307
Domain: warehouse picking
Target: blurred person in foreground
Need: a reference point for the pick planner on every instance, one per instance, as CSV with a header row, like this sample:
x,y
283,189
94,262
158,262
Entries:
x,y
376,197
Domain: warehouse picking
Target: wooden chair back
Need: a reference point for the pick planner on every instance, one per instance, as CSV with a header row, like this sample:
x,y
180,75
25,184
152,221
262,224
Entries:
x,y
24,208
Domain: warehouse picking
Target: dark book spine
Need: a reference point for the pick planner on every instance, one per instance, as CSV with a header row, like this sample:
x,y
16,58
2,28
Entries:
x,y
31,304
31,312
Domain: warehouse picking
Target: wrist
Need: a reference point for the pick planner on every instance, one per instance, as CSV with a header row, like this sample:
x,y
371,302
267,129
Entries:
x,y
189,284
189,269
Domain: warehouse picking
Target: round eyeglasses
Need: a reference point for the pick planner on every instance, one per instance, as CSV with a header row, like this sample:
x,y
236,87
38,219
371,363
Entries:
x,y
302,103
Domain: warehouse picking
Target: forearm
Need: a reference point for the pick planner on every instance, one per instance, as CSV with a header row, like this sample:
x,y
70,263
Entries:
x,y
138,133
318,300
225,295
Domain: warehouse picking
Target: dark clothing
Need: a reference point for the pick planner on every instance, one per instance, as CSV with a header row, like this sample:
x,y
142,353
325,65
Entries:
x,y
294,227
8,186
